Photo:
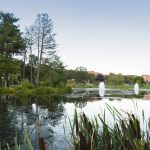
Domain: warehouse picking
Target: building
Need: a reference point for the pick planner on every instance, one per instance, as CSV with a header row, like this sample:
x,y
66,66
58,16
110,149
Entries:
x,y
96,77
146,78
94,73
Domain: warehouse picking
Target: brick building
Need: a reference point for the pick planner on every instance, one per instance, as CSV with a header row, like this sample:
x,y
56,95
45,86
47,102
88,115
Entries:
x,y
146,78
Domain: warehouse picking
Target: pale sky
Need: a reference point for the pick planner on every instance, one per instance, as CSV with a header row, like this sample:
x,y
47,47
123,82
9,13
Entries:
x,y
101,35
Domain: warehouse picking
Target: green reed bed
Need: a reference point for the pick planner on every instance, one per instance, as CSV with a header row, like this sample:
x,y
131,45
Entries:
x,y
96,134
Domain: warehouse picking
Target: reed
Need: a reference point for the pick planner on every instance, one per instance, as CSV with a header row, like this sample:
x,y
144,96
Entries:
x,y
96,134
26,145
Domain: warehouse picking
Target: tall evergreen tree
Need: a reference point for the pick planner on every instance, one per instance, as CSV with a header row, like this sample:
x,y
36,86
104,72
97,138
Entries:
x,y
11,43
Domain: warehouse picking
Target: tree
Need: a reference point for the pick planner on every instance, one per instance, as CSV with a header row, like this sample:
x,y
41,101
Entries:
x,y
81,68
115,80
29,43
139,80
100,78
81,74
129,79
26,69
11,43
8,67
43,39
55,72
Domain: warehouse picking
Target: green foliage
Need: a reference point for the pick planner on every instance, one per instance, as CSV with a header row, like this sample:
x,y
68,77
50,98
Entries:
x,y
139,80
9,66
9,90
81,85
115,80
129,79
64,90
26,84
125,134
120,80
79,75
53,72
17,146
146,86
11,41
53,91
70,83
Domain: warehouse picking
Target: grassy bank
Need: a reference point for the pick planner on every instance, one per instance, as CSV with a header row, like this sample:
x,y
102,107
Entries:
x,y
32,91
121,87
81,85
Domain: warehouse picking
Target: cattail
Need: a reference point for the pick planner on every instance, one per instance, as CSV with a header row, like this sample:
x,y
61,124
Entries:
x,y
41,144
83,143
138,130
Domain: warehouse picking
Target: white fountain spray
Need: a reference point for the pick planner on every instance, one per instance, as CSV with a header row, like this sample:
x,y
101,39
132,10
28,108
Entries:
x,y
136,89
101,89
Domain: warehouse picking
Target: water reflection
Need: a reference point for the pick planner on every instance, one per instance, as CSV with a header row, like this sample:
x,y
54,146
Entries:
x,y
7,128
17,114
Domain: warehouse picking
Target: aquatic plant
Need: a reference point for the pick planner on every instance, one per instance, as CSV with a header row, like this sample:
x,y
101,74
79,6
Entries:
x,y
26,145
125,134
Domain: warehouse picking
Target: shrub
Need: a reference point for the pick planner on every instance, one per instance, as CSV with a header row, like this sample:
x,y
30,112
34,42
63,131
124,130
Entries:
x,y
70,83
26,84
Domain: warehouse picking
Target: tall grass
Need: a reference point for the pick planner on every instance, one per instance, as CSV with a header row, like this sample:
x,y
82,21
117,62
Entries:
x,y
96,134
26,145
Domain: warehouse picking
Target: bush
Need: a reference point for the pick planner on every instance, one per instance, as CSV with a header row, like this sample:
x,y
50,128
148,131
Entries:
x,y
9,90
61,84
70,83
26,84
48,90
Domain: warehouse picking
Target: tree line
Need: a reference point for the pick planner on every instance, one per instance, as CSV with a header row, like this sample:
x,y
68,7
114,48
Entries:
x,y
32,56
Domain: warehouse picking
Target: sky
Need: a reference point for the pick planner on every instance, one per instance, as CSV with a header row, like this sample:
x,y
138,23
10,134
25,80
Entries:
x,y
101,35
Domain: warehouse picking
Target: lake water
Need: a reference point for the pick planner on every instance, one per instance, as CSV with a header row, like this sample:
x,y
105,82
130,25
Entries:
x,y
18,114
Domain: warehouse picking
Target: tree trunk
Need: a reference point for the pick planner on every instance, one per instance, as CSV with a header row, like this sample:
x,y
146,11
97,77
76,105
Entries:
x,y
5,83
40,53
37,75
24,61
38,63
31,68
1,81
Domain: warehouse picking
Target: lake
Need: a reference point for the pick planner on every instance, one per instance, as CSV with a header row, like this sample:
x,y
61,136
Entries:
x,y
20,114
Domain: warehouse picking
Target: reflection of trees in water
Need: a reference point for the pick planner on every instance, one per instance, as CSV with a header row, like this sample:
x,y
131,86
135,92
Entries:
x,y
80,103
16,114
7,128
